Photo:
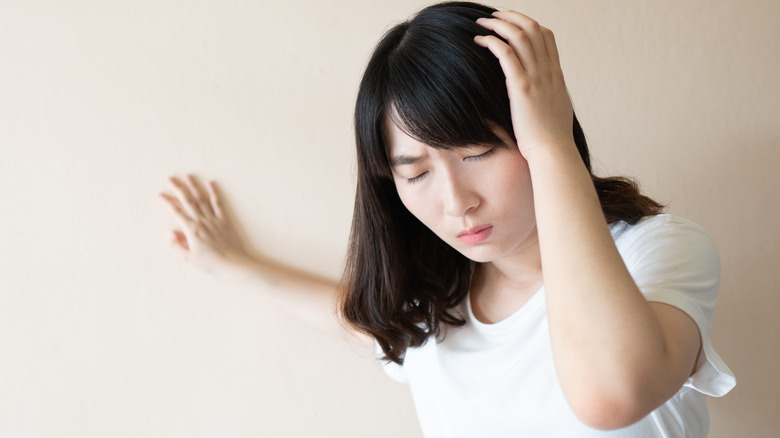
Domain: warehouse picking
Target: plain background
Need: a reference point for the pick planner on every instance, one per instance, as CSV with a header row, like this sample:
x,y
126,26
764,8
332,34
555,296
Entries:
x,y
105,331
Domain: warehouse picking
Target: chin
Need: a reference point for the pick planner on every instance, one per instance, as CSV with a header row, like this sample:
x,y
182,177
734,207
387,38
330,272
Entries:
x,y
479,255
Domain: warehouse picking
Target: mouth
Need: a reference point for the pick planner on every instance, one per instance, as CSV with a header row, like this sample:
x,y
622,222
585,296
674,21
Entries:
x,y
475,235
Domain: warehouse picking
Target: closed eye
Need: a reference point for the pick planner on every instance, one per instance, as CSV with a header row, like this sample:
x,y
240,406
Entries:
x,y
481,156
416,178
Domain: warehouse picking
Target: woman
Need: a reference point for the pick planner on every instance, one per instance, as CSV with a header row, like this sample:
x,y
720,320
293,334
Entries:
x,y
517,293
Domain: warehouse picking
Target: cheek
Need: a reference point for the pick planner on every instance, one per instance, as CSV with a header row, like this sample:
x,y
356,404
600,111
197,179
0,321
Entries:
x,y
421,207
411,202
513,184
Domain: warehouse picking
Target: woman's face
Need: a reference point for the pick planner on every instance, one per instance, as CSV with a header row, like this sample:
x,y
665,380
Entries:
x,y
477,199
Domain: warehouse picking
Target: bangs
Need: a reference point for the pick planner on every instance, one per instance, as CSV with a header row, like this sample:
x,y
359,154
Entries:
x,y
442,88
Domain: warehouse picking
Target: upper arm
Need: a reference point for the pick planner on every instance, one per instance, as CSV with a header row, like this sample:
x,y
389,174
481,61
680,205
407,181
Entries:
x,y
683,342
663,374
682,345
675,264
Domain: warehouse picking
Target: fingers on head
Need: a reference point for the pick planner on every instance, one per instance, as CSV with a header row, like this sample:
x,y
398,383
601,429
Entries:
x,y
510,62
552,47
518,19
538,36
518,40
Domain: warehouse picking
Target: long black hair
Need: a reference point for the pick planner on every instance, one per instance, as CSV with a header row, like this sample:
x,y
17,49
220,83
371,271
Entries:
x,y
401,282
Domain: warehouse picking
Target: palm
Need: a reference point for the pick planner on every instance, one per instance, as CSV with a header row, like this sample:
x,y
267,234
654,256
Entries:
x,y
207,238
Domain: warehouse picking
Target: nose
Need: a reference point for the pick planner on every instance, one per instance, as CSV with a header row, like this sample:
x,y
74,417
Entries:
x,y
458,195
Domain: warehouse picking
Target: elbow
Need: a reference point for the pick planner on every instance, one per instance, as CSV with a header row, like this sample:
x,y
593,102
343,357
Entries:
x,y
604,412
617,401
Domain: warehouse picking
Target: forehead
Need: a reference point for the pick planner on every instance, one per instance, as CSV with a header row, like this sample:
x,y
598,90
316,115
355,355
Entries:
x,y
399,142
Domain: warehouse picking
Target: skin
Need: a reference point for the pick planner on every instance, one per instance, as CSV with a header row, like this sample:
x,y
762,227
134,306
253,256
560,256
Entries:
x,y
455,190
208,239
613,369
617,356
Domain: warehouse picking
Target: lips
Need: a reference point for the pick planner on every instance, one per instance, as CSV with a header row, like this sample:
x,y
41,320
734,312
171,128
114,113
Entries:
x,y
474,230
474,235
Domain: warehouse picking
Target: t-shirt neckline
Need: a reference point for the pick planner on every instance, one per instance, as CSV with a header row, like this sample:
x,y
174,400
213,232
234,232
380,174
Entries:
x,y
512,322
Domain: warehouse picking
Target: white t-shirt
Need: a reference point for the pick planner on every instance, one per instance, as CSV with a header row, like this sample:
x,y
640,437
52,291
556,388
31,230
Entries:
x,y
498,380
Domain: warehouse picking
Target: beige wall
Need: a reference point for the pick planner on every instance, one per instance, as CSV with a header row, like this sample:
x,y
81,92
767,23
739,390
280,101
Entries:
x,y
105,332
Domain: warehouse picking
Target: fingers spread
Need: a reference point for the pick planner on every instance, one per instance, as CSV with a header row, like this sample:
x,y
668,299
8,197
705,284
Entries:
x,y
182,218
216,203
185,197
200,196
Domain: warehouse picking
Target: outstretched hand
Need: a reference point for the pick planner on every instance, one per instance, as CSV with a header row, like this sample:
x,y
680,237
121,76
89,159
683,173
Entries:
x,y
542,113
207,237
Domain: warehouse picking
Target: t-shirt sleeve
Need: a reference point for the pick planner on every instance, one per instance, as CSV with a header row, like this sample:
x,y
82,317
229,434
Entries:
x,y
674,261
395,371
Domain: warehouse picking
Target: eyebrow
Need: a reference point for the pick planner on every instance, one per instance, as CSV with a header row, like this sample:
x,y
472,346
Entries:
x,y
401,160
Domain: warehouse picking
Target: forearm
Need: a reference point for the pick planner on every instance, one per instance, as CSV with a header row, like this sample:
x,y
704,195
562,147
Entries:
x,y
604,334
309,299
210,242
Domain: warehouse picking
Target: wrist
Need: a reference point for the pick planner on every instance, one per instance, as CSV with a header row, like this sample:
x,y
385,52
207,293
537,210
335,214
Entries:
x,y
242,267
561,151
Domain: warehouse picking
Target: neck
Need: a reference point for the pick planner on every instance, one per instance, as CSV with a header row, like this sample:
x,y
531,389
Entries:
x,y
502,286
519,270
